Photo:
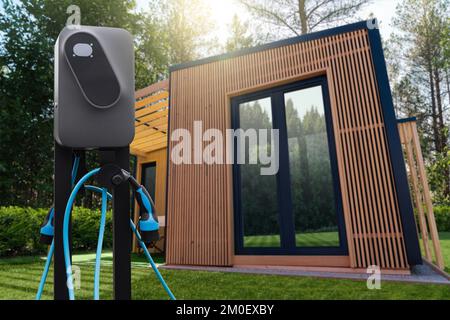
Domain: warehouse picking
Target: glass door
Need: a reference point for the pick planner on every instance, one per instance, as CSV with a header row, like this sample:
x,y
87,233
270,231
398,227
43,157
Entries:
x,y
149,178
258,193
298,209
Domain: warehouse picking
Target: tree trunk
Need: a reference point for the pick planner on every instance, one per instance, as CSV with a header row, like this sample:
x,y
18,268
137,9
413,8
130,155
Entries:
x,y
302,14
442,128
448,84
436,133
437,82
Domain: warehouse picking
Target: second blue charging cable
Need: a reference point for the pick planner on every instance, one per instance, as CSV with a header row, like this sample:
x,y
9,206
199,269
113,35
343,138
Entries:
x,y
105,197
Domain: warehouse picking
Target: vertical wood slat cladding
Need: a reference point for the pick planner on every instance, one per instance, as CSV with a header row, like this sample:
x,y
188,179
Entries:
x,y
200,196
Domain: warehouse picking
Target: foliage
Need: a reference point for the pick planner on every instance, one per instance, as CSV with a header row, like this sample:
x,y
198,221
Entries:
x,y
418,62
437,172
19,230
303,16
240,37
442,216
28,31
185,26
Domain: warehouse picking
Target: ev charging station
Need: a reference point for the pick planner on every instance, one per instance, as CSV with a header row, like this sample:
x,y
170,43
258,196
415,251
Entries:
x,y
94,112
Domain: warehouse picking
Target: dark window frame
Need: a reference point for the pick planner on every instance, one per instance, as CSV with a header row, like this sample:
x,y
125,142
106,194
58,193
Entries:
x,y
286,218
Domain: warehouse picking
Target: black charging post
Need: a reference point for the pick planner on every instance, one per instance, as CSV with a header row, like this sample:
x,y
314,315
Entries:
x,y
94,110
61,193
119,158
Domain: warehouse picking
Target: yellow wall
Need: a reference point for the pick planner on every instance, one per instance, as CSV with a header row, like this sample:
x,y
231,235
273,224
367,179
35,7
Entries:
x,y
160,157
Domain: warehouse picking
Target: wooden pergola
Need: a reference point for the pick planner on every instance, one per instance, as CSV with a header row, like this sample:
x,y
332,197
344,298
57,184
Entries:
x,y
152,111
150,142
420,192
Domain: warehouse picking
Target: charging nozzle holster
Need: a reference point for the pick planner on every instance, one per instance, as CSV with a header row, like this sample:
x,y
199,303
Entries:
x,y
47,229
148,220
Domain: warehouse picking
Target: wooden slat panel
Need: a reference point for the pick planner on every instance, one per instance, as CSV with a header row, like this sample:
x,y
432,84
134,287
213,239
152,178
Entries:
x,y
151,129
161,85
154,147
147,143
407,137
421,192
154,122
151,118
147,134
200,211
160,96
161,104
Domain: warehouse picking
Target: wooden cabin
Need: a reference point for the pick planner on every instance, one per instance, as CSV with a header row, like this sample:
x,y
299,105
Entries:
x,y
340,195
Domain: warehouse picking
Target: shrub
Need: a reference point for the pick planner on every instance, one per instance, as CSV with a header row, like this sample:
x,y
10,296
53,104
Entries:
x,y
442,216
19,230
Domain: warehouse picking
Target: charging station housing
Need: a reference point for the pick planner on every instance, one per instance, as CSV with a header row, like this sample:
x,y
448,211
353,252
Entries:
x,y
94,88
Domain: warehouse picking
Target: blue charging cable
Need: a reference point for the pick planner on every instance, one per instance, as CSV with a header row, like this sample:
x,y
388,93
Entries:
x,y
143,197
66,222
49,230
105,196
152,263
98,256
45,273
141,243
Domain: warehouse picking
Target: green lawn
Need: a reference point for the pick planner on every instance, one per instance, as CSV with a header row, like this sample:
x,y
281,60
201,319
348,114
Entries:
x,y
445,247
19,278
312,239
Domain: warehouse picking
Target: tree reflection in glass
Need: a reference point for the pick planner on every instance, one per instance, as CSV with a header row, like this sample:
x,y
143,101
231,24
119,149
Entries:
x,y
313,202
258,192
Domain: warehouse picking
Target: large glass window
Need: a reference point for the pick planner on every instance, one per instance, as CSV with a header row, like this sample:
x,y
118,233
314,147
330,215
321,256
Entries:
x,y
313,203
297,210
258,192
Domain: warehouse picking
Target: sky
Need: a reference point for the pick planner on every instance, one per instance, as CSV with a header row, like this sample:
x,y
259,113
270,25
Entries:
x,y
222,12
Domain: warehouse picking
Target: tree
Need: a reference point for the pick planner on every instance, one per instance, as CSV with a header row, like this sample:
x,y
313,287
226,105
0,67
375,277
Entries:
x,y
303,16
29,29
187,26
152,46
240,37
419,67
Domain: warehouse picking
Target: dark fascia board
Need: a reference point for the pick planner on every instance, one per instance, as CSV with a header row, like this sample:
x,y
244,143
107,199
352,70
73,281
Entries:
x,y
404,120
361,25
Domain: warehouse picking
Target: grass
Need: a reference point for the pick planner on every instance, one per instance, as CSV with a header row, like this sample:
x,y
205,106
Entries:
x,y
313,239
19,279
445,248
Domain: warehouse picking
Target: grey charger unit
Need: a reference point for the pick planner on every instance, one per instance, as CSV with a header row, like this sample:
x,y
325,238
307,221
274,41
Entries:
x,y
94,88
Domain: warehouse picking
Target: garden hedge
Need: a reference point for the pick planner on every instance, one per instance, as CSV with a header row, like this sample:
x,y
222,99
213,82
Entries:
x,y
19,230
442,216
